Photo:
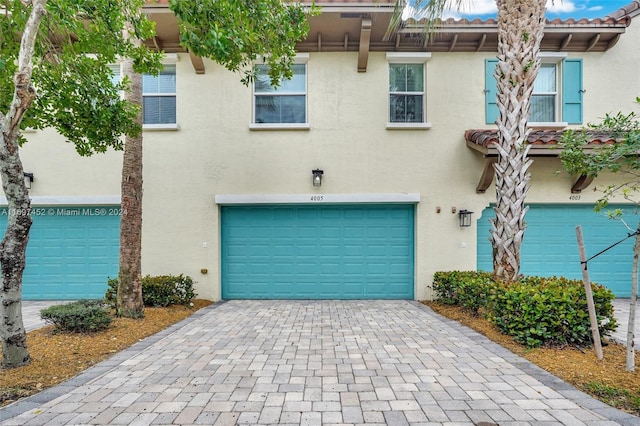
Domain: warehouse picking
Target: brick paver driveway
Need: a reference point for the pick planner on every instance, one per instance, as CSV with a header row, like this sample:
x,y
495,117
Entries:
x,y
315,362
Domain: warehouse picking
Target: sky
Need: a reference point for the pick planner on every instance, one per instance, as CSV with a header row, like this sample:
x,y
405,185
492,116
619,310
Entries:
x,y
563,9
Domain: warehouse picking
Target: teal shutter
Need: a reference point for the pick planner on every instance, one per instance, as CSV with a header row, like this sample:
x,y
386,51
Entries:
x,y
572,91
490,91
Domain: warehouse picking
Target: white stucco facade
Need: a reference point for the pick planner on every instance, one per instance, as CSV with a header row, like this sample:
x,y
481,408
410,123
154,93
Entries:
x,y
215,153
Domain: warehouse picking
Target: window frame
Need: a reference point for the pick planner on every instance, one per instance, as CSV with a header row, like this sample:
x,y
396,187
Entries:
x,y
169,59
556,59
408,58
300,59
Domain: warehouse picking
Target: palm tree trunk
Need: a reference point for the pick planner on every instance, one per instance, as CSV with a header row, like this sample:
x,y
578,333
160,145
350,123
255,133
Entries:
x,y
129,296
520,31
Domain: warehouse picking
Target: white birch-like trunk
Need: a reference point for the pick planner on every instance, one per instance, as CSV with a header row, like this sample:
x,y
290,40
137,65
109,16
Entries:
x,y
14,244
631,353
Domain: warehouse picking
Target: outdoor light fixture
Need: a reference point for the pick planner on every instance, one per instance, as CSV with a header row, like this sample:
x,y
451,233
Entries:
x,y
464,216
317,177
28,180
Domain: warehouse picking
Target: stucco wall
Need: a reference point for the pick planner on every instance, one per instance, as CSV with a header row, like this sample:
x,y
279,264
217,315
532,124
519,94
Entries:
x,y
214,152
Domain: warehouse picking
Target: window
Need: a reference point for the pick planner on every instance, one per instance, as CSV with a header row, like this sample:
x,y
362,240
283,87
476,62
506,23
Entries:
x,y
284,106
407,97
159,97
406,93
544,97
557,93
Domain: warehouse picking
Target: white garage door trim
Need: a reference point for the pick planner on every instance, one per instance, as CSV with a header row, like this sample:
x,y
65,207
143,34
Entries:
x,y
317,198
54,200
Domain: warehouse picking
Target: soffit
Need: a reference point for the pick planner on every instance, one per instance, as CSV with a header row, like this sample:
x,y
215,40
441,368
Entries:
x,y
340,27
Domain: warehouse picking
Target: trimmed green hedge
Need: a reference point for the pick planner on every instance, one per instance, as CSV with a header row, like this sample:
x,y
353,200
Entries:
x,y
158,291
534,310
82,316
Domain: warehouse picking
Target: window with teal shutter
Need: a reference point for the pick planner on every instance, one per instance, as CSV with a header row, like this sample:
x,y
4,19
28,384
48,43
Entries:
x,y
491,91
572,91
545,92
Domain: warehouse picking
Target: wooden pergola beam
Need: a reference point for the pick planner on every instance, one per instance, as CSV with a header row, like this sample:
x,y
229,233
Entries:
x,y
581,183
487,175
198,64
365,39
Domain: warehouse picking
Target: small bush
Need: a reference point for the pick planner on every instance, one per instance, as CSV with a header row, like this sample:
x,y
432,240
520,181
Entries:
x,y
550,311
83,316
158,291
468,289
534,310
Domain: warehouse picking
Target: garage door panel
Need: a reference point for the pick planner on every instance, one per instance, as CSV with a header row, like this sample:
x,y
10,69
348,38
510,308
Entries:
x,y
71,252
550,246
333,250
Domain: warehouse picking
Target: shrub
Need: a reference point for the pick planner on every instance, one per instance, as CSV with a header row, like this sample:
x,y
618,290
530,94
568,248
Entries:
x,y
162,290
468,289
83,316
534,310
550,311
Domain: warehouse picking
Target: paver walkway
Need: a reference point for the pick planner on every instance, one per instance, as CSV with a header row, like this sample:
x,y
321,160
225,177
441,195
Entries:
x,y
315,362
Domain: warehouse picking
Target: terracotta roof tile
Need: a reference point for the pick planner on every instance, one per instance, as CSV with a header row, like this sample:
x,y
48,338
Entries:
x,y
548,138
631,9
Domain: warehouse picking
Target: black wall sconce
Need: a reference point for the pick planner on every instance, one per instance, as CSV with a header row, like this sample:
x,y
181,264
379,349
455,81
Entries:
x,y
464,216
28,179
317,177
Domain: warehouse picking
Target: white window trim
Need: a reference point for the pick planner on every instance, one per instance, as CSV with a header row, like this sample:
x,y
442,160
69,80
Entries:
x,y
409,58
300,59
555,58
160,127
169,59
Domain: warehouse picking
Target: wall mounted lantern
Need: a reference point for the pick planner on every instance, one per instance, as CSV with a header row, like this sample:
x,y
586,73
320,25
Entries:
x,y
28,180
464,216
317,177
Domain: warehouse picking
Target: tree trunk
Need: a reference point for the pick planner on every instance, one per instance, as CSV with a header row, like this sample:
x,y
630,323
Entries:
x,y
631,353
14,244
129,298
520,31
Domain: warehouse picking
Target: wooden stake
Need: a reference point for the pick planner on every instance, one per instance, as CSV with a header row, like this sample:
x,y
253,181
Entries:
x,y
597,345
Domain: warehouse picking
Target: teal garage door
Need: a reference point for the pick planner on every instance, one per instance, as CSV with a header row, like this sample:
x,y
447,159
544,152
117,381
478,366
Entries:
x,y
317,252
71,252
550,247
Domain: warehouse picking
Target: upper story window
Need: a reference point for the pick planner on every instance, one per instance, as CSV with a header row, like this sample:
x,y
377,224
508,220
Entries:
x,y
284,106
556,100
544,99
407,96
158,95
406,93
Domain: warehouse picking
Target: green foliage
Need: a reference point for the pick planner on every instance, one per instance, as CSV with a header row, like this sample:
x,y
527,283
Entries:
x,y
534,310
83,316
550,311
76,42
468,289
615,397
162,290
235,33
620,157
